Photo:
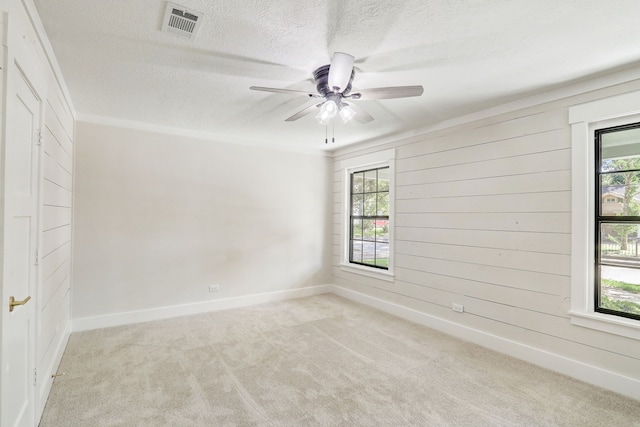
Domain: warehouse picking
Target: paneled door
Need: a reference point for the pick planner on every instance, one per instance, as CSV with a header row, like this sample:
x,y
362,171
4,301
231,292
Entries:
x,y
20,245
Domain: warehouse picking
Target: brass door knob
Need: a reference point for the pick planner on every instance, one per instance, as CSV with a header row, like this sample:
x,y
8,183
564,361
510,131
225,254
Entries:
x,y
14,303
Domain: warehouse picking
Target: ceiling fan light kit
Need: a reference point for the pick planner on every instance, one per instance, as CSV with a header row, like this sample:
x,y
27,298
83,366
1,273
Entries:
x,y
328,111
334,84
346,113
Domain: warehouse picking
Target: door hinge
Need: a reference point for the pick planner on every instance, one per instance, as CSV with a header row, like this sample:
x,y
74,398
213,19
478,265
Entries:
x,y
37,257
40,137
35,376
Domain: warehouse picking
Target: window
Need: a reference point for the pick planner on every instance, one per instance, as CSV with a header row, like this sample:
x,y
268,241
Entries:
x,y
617,260
367,232
369,218
605,214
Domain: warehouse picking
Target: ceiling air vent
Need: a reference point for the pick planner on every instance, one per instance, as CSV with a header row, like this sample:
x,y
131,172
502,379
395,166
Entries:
x,y
179,20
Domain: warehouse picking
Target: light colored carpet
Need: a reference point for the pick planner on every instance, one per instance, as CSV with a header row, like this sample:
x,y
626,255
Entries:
x,y
318,361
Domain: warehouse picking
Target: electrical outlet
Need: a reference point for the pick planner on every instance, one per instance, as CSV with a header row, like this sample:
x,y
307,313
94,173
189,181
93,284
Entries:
x,y
214,288
458,308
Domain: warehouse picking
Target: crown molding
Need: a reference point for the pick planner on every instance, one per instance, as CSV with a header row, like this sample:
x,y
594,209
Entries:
x,y
585,85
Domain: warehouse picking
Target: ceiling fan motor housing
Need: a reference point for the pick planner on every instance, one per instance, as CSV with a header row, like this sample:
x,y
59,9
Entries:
x,y
321,76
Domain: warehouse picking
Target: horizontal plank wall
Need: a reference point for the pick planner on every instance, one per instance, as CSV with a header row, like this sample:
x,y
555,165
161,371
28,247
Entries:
x,y
56,204
483,219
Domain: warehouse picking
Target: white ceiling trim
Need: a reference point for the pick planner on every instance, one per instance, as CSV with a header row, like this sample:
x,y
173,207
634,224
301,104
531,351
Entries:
x,y
188,133
590,85
601,82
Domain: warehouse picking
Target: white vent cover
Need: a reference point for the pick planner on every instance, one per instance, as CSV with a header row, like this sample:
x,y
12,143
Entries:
x,y
179,20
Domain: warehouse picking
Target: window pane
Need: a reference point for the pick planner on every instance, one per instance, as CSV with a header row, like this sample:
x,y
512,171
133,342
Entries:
x,y
371,181
357,183
382,230
382,254
383,204
620,243
356,229
620,267
619,194
368,229
383,179
370,204
357,205
369,253
356,251
620,289
620,150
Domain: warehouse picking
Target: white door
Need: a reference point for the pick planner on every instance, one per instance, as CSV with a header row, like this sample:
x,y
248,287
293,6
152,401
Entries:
x,y
20,243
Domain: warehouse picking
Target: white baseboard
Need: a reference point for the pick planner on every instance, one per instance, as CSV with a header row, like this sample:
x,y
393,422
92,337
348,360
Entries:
x,y
573,368
118,319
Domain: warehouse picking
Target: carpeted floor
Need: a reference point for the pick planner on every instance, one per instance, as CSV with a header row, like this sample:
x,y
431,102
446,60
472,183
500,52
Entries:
x,y
318,361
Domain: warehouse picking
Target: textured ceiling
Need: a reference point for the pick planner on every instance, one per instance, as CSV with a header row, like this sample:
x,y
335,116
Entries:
x,y
468,55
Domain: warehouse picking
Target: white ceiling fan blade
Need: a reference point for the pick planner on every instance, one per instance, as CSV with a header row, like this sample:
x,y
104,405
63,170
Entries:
x,y
340,71
388,92
285,91
310,109
361,115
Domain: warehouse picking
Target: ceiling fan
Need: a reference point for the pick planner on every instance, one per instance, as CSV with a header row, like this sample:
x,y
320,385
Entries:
x,y
333,83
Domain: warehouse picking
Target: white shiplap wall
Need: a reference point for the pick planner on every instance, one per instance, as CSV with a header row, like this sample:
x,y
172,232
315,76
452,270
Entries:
x,y
56,202
483,219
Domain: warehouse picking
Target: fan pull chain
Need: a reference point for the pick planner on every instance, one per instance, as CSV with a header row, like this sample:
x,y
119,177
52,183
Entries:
x,y
326,139
333,131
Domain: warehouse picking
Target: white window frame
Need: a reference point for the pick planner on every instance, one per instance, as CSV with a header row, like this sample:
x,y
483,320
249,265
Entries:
x,y
584,120
378,159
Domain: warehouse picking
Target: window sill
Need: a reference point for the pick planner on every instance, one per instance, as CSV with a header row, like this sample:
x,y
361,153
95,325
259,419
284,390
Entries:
x,y
607,323
370,272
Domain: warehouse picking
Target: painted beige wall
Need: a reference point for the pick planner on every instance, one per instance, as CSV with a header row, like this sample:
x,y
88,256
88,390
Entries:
x,y
158,218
